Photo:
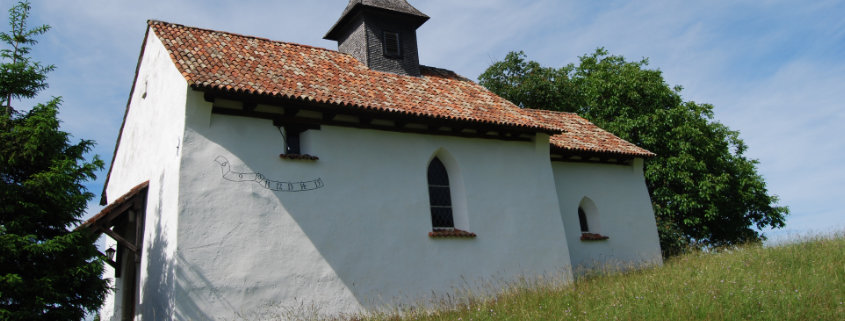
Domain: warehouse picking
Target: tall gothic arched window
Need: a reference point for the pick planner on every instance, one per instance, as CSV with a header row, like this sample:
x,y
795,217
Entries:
x,y
440,196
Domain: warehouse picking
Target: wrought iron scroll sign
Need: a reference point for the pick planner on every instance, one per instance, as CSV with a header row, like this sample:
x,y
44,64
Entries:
x,y
258,178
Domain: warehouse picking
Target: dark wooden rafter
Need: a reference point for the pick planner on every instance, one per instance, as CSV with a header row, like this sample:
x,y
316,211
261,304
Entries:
x,y
295,124
364,118
504,134
584,156
126,213
207,96
292,131
249,106
114,214
120,240
477,131
291,111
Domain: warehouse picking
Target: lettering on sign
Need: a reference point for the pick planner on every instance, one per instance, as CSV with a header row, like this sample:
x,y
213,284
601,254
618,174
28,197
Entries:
x,y
259,179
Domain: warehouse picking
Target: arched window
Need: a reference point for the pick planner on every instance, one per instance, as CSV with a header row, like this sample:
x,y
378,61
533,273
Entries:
x,y
588,217
440,196
582,218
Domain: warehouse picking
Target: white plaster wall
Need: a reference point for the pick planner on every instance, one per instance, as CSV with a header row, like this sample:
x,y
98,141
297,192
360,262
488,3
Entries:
x,y
109,303
361,241
150,149
625,214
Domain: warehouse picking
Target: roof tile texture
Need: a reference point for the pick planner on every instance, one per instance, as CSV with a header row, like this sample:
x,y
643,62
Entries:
x,y
230,62
580,135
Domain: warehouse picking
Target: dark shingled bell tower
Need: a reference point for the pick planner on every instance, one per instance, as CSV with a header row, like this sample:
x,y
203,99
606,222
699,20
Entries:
x,y
380,33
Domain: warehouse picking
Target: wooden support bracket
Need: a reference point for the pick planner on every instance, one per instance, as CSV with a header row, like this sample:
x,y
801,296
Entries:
x,y
120,240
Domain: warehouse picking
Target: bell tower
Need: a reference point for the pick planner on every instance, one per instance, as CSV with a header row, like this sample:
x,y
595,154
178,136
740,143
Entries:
x,y
380,33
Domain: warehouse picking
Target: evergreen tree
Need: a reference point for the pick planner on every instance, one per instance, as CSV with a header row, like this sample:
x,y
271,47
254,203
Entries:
x,y
47,271
704,191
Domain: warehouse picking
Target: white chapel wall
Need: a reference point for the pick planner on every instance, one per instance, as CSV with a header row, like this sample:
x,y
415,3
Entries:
x,y
150,149
360,240
618,206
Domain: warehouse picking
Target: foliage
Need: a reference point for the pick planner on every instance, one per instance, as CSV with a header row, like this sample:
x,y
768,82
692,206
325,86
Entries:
x,y
20,77
46,270
704,191
797,281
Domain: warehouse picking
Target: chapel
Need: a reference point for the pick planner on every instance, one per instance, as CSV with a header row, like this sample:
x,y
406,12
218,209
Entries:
x,y
253,175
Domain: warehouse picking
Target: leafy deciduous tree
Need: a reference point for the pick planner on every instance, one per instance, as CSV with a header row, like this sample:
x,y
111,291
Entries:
x,y
704,191
47,271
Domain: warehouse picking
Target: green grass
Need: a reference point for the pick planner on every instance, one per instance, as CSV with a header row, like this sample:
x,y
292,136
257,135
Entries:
x,y
799,281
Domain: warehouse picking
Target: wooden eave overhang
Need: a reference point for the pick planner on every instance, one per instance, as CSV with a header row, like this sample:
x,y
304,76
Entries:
x,y
287,111
561,154
132,203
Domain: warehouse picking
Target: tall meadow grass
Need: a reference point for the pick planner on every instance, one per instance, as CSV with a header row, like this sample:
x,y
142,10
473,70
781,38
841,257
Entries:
x,y
802,280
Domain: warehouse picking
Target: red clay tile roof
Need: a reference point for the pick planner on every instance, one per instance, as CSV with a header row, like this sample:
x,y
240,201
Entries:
x,y
580,135
224,61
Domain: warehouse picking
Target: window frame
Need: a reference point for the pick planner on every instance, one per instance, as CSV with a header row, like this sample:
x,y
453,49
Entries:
x,y
292,137
386,40
438,173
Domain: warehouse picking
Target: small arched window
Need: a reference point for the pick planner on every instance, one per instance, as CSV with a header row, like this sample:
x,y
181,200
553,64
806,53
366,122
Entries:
x,y
440,196
588,218
582,218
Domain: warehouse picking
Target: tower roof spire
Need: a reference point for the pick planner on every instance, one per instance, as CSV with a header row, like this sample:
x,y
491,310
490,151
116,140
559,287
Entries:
x,y
401,7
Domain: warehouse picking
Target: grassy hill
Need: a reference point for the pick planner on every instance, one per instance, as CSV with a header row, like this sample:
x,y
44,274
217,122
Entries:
x,y
798,281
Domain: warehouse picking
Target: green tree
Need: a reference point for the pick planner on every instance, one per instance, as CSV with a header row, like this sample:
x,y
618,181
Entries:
x,y
47,271
704,191
20,77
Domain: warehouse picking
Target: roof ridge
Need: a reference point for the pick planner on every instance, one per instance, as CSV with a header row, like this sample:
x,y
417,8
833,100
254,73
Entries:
x,y
552,111
447,71
151,22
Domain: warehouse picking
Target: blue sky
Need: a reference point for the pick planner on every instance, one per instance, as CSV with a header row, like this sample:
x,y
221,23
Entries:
x,y
774,70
